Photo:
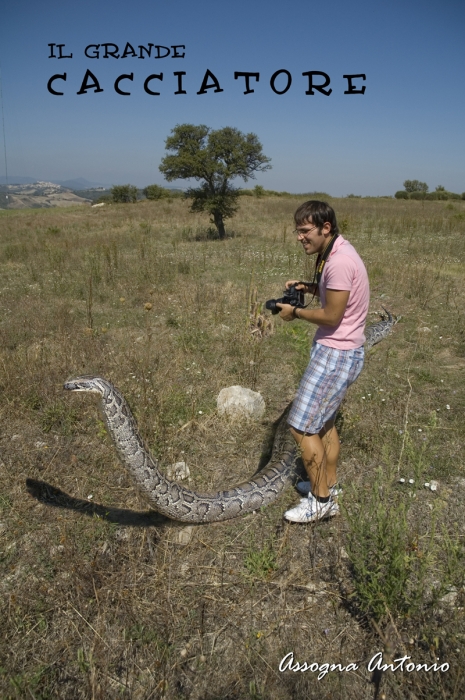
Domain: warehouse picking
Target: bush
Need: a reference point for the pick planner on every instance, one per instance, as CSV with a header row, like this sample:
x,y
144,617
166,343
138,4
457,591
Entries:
x,y
401,194
156,192
417,195
124,193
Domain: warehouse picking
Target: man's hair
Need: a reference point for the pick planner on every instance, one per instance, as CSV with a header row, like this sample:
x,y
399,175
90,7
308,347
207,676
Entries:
x,y
316,212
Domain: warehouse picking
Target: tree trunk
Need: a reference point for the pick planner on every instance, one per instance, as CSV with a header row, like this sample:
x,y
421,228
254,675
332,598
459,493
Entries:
x,y
219,223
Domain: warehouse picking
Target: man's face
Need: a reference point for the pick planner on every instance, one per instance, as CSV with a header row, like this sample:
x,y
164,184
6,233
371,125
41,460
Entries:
x,y
313,239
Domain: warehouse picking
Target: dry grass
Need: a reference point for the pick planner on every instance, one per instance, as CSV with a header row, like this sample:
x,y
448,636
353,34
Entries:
x,y
123,604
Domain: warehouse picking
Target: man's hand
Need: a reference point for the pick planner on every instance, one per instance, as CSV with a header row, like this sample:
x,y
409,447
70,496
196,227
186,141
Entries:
x,y
287,312
300,286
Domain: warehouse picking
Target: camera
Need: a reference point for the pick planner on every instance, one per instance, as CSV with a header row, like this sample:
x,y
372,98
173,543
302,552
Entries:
x,y
290,296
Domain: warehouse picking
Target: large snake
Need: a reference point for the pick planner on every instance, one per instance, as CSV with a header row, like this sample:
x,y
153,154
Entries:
x,y
170,498
174,500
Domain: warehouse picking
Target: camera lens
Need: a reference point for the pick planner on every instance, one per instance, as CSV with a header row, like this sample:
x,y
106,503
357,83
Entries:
x,y
271,306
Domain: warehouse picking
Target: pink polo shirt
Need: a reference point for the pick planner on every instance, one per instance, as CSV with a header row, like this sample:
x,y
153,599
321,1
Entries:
x,y
344,270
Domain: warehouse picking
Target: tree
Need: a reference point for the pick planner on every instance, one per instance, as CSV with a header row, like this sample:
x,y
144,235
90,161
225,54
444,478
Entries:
x,y
213,158
124,193
415,186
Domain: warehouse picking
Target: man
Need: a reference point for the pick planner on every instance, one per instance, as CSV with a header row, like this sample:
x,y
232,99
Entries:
x,y
337,353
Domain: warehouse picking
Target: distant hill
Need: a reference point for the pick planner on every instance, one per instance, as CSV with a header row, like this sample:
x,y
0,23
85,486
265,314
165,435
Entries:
x,y
79,183
38,195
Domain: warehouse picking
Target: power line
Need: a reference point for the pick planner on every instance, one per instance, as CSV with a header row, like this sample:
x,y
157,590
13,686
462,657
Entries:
x,y
4,135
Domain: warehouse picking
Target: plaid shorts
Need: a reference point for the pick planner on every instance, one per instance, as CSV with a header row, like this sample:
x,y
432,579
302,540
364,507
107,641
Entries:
x,y
329,374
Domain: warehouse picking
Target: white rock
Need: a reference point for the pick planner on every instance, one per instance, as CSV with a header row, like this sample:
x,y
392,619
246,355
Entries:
x,y
178,471
183,536
434,485
239,402
102,204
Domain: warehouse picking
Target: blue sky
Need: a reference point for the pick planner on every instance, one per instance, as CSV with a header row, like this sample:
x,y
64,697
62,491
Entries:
x,y
407,125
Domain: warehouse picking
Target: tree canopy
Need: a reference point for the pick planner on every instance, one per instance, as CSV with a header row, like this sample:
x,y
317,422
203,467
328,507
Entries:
x,y
214,158
415,186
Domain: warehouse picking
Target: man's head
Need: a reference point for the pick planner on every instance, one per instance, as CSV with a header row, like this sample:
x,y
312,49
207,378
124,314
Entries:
x,y
316,213
315,224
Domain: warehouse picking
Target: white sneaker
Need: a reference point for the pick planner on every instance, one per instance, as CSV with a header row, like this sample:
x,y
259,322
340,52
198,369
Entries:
x,y
309,510
304,488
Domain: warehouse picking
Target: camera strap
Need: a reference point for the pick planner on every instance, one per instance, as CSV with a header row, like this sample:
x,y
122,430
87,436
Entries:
x,y
321,260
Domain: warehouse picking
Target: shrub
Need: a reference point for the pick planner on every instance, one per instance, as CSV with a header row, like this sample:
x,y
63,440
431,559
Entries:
x,y
401,194
124,193
417,195
156,192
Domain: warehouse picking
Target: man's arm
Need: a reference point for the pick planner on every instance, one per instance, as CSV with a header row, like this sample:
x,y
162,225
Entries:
x,y
331,315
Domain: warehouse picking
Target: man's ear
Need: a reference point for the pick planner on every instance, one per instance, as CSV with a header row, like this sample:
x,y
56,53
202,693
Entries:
x,y
326,228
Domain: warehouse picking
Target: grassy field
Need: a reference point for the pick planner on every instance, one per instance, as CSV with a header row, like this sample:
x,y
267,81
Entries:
x,y
100,597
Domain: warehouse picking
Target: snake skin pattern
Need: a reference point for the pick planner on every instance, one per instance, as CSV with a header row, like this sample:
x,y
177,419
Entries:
x,y
378,331
177,502
170,498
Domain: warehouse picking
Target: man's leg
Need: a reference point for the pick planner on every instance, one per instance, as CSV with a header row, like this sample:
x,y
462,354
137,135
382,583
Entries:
x,y
315,461
331,445
320,454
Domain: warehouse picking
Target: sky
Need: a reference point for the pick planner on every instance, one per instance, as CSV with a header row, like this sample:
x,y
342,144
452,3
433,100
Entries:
x,y
408,124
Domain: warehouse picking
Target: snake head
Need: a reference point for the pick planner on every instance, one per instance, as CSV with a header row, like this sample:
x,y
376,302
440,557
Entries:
x,y
89,383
